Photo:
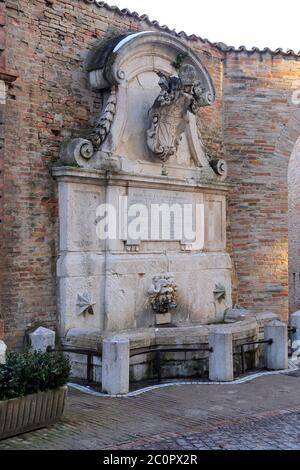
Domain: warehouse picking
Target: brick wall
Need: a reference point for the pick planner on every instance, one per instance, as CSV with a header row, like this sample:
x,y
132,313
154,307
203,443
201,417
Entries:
x,y
2,55
6,79
260,129
48,42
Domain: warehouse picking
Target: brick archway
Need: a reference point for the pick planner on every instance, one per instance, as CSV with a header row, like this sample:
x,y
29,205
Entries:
x,y
294,228
258,207
288,136
288,150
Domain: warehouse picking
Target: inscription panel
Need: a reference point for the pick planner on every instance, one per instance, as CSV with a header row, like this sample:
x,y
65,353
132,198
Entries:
x,y
164,215
215,223
82,219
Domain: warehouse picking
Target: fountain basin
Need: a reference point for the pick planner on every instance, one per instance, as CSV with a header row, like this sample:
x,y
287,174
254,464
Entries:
x,y
181,362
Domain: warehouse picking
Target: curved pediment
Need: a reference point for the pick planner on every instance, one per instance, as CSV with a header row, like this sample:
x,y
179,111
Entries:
x,y
122,58
152,85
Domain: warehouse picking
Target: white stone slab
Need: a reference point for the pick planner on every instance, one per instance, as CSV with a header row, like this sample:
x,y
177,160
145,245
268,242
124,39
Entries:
x,y
221,358
276,353
41,339
115,366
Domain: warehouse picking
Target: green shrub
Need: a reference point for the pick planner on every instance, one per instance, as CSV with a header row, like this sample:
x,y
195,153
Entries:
x,y
28,373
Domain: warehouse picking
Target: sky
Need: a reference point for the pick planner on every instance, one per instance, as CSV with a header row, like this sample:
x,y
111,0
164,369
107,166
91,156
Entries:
x,y
260,23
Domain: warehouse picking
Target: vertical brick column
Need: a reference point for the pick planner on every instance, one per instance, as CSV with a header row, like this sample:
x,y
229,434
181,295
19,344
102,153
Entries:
x,y
2,106
5,79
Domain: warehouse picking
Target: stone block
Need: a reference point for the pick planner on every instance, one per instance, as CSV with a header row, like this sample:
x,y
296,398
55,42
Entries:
x,y
163,319
221,359
115,366
295,323
235,314
41,339
276,354
3,349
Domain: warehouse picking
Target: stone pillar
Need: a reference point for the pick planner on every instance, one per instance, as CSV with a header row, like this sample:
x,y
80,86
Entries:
x,y
41,339
3,349
115,366
295,323
221,359
276,354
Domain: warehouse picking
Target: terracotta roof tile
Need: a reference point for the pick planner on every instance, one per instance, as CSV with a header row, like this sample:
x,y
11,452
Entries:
x,y
218,45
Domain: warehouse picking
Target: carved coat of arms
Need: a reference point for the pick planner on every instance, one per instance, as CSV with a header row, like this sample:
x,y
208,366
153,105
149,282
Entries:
x,y
169,113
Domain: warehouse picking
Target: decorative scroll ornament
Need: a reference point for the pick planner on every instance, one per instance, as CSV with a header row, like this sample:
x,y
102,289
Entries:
x,y
85,304
169,114
219,166
79,151
163,293
105,120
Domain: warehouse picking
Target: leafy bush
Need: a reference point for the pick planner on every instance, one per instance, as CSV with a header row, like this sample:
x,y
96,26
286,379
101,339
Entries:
x,y
28,373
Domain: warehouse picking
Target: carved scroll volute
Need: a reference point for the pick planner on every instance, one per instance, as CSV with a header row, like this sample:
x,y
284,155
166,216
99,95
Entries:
x,y
105,121
169,114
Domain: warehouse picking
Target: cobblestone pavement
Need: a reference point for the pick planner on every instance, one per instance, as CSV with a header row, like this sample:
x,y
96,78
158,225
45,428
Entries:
x,y
263,414
274,433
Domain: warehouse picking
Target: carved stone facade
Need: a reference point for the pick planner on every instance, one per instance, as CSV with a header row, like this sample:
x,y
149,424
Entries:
x,y
113,70
127,158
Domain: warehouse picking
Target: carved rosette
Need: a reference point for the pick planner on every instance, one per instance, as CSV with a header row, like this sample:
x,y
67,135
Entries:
x,y
169,114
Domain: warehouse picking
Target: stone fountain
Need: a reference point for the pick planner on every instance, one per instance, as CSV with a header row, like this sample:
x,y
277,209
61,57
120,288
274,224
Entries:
x,y
141,166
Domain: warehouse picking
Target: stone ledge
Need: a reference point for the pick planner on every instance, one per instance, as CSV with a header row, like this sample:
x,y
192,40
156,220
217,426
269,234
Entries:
x,y
94,176
179,336
174,364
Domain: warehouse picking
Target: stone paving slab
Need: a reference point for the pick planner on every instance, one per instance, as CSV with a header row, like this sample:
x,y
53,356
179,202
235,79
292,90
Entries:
x,y
261,414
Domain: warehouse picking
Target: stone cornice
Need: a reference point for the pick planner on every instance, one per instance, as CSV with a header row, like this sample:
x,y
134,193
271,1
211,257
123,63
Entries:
x,y
90,176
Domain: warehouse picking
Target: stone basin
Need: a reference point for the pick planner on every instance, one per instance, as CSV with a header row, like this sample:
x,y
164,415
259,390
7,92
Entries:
x,y
179,364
